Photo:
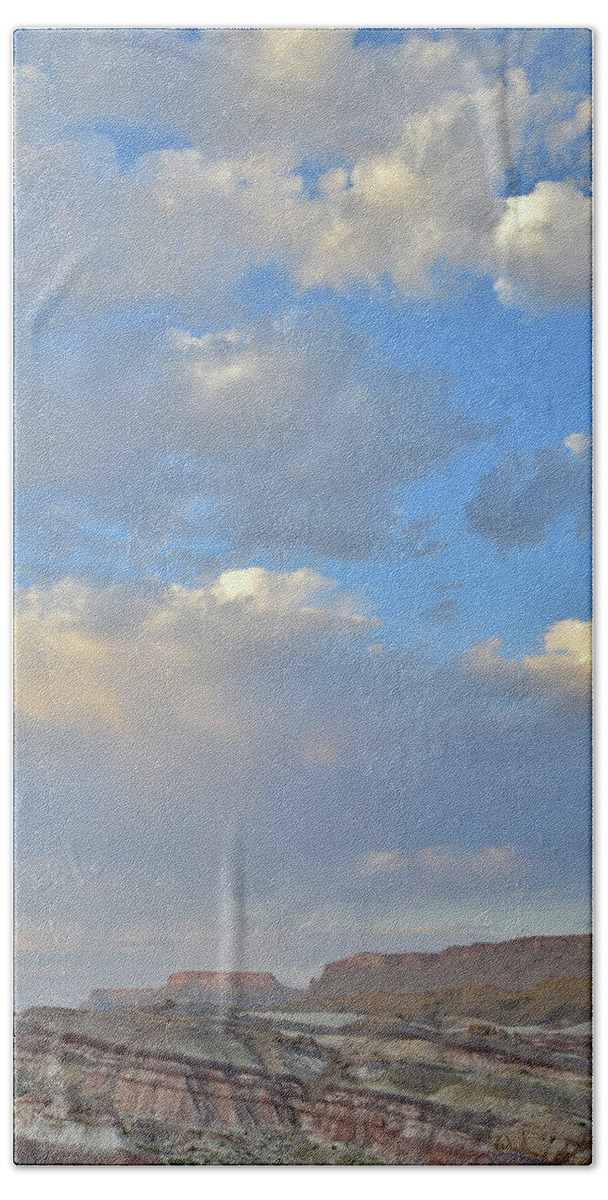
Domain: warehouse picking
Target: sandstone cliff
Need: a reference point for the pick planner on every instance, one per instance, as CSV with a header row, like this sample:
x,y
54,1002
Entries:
x,y
512,966
223,989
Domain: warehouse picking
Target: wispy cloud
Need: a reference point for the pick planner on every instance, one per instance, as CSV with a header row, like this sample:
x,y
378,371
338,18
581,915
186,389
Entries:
x,y
489,862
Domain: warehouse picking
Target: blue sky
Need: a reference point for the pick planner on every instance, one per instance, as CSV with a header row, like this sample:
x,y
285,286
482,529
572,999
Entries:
x,y
303,398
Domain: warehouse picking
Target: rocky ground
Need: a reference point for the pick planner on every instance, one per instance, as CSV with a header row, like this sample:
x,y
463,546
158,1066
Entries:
x,y
171,1087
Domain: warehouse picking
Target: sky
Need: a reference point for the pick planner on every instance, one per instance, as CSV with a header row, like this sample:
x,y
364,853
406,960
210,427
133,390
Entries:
x,y
303,454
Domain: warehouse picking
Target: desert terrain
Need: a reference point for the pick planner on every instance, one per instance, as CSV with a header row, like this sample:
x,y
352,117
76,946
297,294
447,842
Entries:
x,y
213,1068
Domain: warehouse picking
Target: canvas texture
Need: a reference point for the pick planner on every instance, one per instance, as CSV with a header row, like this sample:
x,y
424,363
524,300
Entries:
x,y
303,596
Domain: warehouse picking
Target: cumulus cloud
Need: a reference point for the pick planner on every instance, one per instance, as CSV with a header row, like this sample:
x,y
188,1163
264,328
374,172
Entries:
x,y
527,491
279,438
433,199
252,730
190,656
242,733
543,244
325,441
563,668
428,129
278,435
274,668
294,87
569,142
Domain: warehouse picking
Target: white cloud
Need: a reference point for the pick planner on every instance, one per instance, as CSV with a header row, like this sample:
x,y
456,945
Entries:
x,y
209,341
279,591
286,430
560,135
543,245
445,862
429,131
578,443
563,668
244,727
187,657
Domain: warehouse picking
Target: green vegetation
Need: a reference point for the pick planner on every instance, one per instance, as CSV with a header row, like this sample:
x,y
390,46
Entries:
x,y
255,1149
507,1094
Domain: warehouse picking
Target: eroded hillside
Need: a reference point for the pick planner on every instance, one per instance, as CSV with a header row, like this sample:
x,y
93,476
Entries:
x,y
163,1087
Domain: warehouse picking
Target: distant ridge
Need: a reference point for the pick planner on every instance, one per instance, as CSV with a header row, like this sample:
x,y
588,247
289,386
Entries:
x,y
513,966
215,988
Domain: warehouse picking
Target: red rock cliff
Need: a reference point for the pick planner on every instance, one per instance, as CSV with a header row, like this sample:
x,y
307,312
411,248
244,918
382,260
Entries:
x,y
514,966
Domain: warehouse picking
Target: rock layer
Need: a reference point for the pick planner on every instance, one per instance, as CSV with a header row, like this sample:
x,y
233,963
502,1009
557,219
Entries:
x,y
222,989
89,1079
513,966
